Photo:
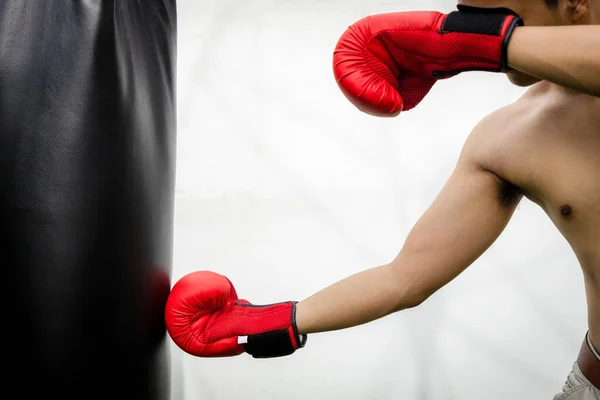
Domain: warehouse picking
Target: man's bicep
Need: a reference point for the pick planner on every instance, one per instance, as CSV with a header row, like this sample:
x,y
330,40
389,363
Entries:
x,y
467,216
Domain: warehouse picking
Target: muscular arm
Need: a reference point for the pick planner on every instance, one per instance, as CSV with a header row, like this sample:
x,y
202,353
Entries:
x,y
565,55
467,216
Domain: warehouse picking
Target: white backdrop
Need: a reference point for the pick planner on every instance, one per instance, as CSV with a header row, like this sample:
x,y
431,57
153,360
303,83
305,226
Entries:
x,y
285,187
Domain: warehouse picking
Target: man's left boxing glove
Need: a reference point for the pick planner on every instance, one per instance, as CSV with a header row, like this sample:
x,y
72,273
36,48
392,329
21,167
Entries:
x,y
205,318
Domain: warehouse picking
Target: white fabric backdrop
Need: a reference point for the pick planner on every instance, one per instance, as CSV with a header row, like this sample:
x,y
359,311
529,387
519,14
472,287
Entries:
x,y
284,187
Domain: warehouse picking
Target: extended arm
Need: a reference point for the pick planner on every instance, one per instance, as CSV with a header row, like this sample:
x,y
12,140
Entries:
x,y
463,221
565,55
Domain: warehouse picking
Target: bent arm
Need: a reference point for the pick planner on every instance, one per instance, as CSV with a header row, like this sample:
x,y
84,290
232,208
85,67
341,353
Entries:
x,y
565,55
467,216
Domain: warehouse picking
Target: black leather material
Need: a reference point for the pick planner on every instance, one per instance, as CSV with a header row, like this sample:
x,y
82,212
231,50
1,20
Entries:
x,y
87,153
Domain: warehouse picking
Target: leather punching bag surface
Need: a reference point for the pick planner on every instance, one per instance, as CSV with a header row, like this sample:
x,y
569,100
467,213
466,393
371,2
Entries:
x,y
87,152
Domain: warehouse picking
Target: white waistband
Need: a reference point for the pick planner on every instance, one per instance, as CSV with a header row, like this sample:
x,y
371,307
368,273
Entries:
x,y
591,346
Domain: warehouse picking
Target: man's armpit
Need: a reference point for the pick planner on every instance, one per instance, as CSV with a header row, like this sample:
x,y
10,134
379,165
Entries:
x,y
508,194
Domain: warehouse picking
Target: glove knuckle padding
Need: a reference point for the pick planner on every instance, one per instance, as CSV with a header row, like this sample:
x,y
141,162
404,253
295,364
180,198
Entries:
x,y
367,81
191,306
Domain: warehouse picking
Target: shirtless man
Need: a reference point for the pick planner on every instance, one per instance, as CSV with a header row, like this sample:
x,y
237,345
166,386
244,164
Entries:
x,y
545,146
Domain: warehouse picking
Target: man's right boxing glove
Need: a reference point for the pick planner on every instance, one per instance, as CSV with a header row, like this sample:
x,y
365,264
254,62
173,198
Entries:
x,y
205,318
387,63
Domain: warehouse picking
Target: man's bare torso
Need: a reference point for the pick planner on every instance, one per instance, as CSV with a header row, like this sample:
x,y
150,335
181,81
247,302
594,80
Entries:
x,y
547,144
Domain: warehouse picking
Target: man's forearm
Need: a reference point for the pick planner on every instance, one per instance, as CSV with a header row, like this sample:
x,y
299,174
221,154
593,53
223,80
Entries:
x,y
566,55
356,300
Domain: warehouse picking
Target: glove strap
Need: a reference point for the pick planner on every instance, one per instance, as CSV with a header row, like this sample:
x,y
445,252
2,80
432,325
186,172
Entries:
x,y
277,343
490,21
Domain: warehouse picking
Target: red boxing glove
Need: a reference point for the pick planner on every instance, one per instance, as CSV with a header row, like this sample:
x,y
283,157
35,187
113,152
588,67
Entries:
x,y
385,64
205,318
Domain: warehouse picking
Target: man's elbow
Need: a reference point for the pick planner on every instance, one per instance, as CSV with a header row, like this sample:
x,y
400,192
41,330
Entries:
x,y
418,298
412,285
408,301
408,292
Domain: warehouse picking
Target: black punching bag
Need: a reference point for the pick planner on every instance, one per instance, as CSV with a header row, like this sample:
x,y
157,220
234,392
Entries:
x,y
87,152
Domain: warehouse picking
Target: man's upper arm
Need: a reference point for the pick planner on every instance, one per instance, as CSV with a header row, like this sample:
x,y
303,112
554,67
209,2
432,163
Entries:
x,y
465,219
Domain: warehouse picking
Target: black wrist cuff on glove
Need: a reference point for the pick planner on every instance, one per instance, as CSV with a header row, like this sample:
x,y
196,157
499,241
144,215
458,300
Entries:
x,y
276,343
484,21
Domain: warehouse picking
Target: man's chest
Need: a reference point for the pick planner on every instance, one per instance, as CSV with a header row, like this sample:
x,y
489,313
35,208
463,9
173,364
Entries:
x,y
554,159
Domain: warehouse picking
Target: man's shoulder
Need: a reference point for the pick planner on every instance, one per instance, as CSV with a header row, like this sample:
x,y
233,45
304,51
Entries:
x,y
503,134
489,136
